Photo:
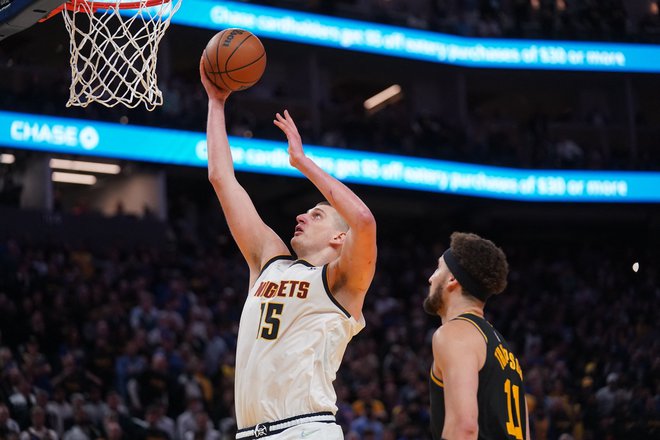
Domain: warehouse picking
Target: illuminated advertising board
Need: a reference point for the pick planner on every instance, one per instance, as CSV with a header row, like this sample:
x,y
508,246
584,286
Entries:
x,y
159,145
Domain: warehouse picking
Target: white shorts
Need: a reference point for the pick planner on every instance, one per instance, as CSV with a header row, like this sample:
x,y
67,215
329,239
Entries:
x,y
321,426
313,430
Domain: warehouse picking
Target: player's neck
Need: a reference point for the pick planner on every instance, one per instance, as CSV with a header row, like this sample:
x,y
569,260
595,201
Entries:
x,y
318,258
462,307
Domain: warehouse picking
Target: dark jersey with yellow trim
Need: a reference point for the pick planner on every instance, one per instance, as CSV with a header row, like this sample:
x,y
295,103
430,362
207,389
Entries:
x,y
501,396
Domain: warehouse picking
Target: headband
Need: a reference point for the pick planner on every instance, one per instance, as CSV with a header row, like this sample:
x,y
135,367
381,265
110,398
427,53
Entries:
x,y
473,286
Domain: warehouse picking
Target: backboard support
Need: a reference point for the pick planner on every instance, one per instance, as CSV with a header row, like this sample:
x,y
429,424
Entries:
x,y
17,15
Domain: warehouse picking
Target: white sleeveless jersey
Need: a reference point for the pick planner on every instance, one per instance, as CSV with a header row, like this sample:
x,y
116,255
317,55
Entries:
x,y
291,340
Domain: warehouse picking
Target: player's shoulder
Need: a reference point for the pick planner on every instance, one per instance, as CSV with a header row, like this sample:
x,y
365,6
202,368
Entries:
x,y
458,331
276,260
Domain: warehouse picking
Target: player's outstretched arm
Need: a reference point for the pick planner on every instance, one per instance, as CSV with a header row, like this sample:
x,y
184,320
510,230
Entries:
x,y
255,239
355,268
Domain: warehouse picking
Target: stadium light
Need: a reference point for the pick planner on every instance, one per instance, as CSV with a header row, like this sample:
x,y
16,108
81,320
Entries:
x,y
91,167
381,98
7,158
80,179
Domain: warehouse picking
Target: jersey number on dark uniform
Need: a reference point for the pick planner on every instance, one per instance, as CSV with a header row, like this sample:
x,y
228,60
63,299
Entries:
x,y
513,427
269,322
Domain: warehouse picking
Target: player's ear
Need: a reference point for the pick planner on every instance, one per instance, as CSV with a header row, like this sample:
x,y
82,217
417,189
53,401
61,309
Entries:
x,y
339,238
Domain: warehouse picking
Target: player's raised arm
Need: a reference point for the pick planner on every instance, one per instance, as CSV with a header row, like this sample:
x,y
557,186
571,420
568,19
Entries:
x,y
353,272
255,239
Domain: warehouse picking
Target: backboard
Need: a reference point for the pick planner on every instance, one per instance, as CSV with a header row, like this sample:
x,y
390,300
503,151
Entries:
x,y
16,15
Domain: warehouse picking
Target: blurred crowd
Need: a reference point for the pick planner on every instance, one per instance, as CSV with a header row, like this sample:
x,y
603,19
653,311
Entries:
x,y
610,20
138,342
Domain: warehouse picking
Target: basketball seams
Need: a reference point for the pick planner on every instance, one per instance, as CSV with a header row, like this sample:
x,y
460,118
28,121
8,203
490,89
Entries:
x,y
223,75
224,82
235,49
243,67
208,63
217,49
263,54
227,71
212,75
218,46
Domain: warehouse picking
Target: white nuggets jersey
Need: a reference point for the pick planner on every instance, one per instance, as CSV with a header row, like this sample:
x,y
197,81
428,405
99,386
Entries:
x,y
291,340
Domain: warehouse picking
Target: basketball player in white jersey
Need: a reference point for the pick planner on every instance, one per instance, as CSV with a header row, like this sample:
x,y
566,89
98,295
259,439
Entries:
x,y
301,311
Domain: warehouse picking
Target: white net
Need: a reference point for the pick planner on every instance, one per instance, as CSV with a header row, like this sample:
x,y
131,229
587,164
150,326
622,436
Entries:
x,y
114,51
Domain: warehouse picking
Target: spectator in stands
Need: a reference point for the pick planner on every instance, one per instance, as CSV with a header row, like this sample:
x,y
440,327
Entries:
x,y
150,428
202,430
38,429
128,366
154,386
607,396
22,398
144,315
59,411
113,430
186,420
115,412
73,378
94,405
83,428
7,424
164,422
367,425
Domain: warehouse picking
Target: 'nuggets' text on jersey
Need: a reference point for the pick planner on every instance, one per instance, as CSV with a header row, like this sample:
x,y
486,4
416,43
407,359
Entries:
x,y
285,288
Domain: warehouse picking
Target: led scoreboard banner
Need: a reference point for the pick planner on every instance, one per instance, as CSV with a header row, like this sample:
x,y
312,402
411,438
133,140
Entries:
x,y
101,139
341,33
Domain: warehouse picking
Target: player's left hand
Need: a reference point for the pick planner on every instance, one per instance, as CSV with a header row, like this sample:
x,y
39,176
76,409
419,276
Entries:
x,y
213,91
295,150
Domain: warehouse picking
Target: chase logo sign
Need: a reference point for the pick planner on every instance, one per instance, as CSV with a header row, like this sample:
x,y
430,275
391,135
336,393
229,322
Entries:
x,y
54,134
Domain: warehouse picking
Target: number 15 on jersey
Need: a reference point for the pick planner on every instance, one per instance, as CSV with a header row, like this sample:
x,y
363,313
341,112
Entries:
x,y
269,320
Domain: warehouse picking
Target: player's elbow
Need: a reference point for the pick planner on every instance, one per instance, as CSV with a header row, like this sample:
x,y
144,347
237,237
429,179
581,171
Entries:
x,y
467,429
461,427
215,177
364,220
218,183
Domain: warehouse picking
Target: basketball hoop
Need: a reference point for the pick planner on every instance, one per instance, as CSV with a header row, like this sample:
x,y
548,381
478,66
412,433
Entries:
x,y
114,48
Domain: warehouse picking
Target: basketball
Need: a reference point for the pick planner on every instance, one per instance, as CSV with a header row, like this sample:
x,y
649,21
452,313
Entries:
x,y
234,59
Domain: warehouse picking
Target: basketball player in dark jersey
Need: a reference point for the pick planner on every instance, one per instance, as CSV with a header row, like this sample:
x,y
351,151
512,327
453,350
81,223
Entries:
x,y
476,382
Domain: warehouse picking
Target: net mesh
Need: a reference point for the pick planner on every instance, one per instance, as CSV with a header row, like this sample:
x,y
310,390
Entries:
x,y
114,51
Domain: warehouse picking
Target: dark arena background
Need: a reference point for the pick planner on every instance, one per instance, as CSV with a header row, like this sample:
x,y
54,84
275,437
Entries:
x,y
533,123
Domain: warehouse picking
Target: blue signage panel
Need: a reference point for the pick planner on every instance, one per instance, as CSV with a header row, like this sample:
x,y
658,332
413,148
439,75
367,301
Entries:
x,y
79,137
386,40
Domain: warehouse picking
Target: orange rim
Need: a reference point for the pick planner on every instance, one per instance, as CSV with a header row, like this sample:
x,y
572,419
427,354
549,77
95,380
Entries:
x,y
85,5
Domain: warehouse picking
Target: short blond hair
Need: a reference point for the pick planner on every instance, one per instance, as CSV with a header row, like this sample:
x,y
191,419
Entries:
x,y
339,220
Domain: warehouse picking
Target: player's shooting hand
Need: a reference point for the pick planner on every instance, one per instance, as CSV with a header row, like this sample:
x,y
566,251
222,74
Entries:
x,y
295,150
213,91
